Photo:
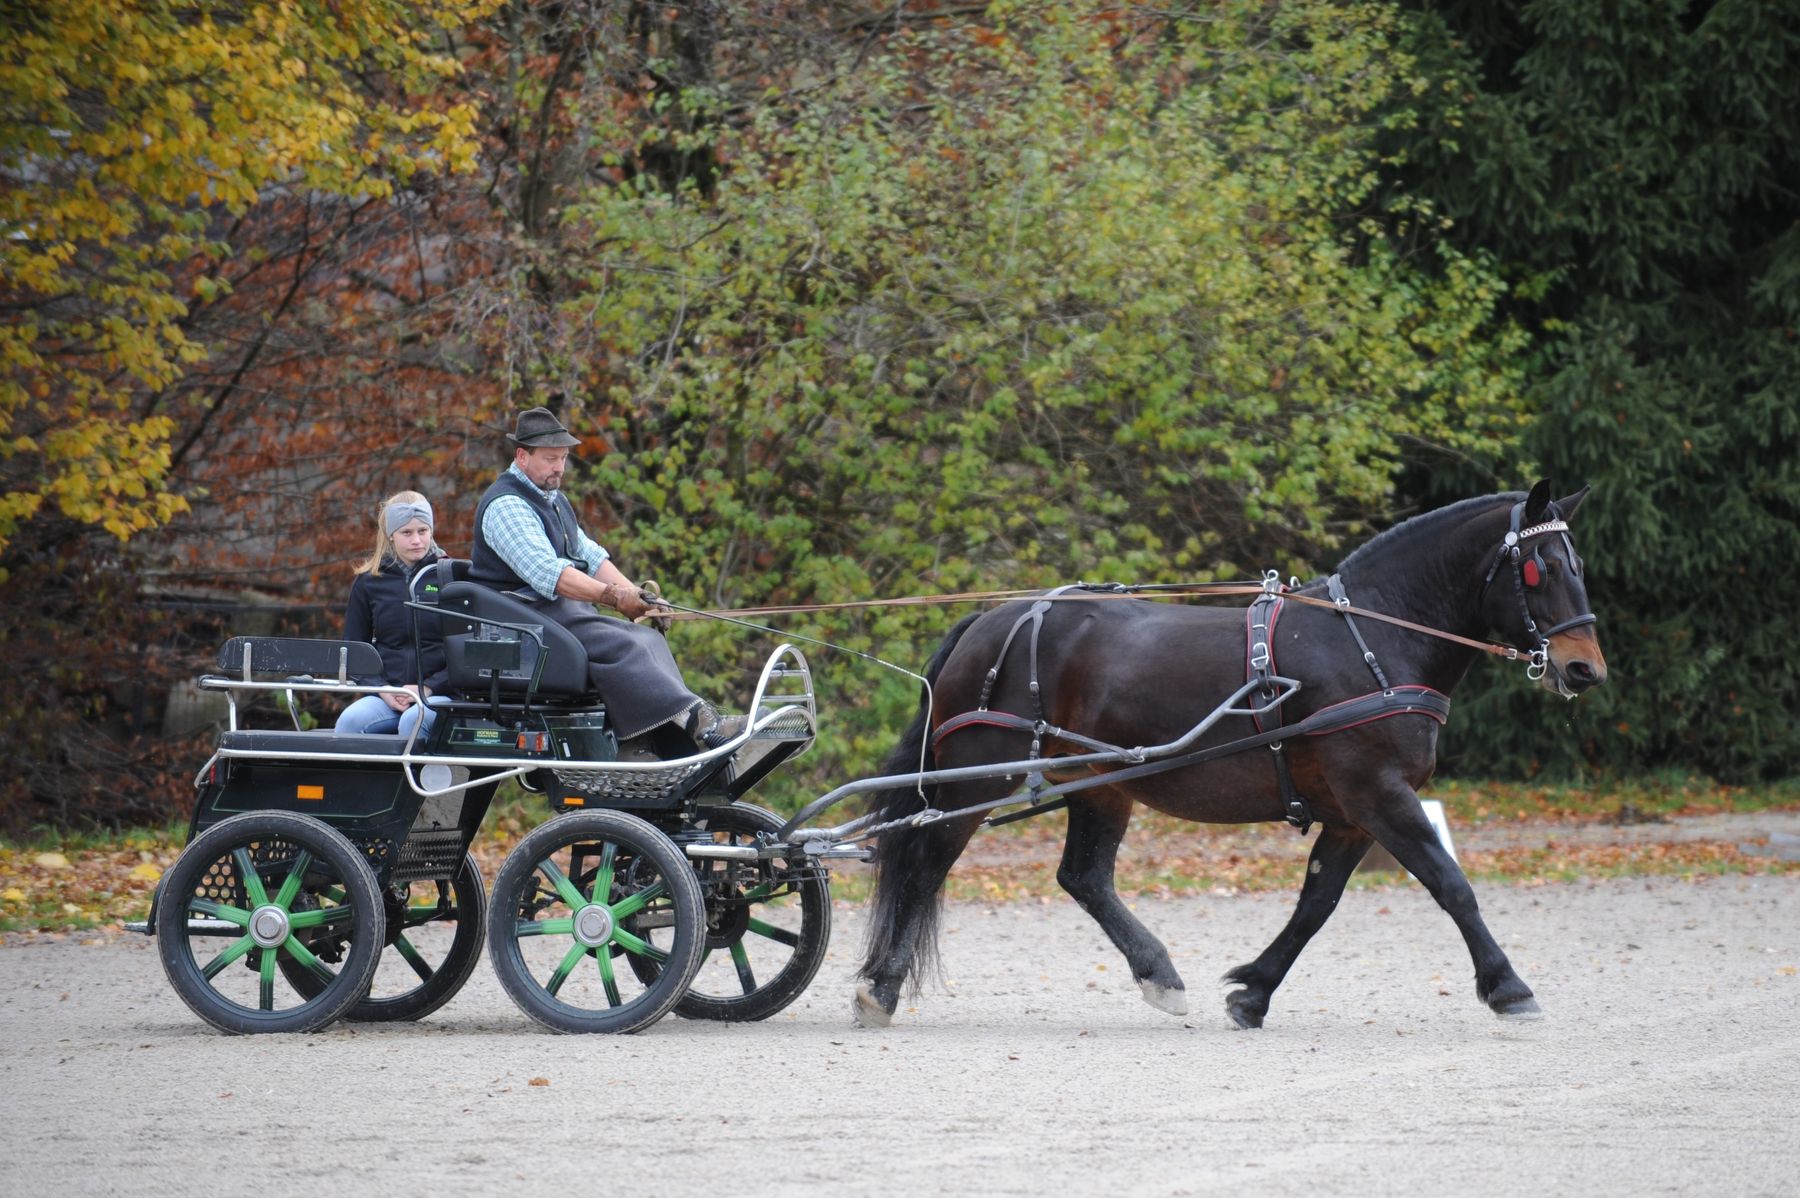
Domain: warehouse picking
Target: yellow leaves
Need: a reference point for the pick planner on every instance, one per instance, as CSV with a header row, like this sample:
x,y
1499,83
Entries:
x,y
179,114
58,889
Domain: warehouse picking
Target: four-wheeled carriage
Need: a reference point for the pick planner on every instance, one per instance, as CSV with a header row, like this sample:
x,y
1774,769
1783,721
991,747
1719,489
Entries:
x,y
329,875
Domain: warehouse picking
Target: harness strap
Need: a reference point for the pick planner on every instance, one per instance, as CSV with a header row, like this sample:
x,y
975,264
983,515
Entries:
x,y
1351,713
1341,598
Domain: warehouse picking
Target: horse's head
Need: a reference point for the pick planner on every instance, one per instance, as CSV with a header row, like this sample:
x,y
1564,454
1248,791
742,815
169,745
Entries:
x,y
1536,597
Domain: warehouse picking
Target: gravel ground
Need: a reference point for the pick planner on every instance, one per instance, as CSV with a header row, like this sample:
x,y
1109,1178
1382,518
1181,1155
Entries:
x,y
1668,1062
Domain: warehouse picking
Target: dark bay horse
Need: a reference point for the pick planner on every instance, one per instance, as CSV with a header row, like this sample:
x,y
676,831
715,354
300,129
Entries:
x,y
1134,673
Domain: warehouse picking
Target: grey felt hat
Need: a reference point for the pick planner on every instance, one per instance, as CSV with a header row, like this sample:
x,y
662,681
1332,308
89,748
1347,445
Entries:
x,y
538,428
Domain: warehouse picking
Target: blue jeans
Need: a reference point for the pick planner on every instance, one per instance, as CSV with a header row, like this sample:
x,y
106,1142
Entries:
x,y
372,714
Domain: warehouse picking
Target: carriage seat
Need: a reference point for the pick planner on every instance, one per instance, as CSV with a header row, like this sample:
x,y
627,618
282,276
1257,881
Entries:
x,y
475,650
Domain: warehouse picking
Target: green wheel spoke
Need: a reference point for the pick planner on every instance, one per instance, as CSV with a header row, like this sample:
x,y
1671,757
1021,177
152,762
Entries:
x,y
569,961
608,980
219,911
246,871
741,959
232,952
543,927
637,946
417,917
778,935
265,990
629,906
420,966
290,886
321,916
564,887
603,877
304,955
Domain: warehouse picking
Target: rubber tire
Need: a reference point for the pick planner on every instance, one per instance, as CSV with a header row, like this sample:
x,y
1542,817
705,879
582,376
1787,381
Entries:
x,y
745,819
517,880
470,897
361,895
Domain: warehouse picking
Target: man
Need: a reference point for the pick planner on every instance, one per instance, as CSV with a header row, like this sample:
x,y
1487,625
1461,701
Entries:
x,y
529,544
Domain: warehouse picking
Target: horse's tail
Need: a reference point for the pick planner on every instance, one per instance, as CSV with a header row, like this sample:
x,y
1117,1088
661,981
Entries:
x,y
902,854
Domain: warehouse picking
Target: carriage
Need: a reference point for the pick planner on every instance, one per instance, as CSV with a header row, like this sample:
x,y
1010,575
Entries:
x,y
330,875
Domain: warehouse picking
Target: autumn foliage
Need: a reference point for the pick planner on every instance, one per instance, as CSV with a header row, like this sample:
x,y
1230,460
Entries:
x,y
847,299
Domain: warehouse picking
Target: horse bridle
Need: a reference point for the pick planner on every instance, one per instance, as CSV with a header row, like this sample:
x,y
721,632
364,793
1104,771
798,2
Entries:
x,y
1529,573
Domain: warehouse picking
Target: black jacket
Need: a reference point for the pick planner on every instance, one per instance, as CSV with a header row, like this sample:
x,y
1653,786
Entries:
x,y
377,613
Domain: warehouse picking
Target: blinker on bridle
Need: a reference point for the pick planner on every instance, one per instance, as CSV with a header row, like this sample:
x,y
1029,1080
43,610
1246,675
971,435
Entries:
x,y
1529,574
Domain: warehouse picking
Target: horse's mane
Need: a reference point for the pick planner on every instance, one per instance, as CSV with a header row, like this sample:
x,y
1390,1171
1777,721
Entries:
x,y
1426,523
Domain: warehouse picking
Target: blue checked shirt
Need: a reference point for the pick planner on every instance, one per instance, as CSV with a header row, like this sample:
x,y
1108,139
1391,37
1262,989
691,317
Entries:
x,y
517,535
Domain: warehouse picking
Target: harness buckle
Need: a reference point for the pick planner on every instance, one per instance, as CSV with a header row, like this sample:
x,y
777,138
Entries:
x,y
1259,655
1271,582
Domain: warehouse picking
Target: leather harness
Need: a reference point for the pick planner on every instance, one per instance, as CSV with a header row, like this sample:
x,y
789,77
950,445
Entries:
x,y
1259,664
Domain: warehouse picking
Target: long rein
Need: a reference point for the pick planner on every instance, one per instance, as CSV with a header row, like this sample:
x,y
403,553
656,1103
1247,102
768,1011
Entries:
x,y
1094,592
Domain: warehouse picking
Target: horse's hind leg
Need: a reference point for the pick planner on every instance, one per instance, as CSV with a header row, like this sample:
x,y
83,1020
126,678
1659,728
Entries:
x,y
904,917
1400,825
1096,826
1334,855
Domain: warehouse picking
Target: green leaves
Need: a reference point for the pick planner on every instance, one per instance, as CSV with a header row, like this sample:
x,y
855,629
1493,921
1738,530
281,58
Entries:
x,y
1077,297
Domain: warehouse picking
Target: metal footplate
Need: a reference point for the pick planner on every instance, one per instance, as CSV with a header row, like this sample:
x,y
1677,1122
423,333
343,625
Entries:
x,y
634,785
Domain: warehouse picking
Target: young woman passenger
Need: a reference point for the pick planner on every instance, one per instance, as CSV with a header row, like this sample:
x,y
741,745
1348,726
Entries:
x,y
377,613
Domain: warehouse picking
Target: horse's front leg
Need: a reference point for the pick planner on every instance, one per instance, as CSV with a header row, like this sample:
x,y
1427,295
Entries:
x,y
1334,855
1400,825
1096,826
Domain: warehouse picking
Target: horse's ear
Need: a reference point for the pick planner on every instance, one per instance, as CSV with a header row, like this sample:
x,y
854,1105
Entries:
x,y
1568,504
1537,501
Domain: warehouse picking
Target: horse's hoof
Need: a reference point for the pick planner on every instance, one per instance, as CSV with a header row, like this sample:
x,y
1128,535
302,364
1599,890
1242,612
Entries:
x,y
867,1010
1172,999
1243,1014
1521,1009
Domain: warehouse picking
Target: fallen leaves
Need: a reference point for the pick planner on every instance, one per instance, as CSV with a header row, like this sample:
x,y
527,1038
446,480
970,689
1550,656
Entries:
x,y
78,889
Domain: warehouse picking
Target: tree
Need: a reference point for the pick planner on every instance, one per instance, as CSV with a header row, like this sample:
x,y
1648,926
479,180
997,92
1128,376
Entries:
x,y
128,130
1633,167
1078,294
178,175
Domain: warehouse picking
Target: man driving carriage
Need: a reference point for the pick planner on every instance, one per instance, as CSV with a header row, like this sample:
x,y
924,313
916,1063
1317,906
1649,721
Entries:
x,y
528,543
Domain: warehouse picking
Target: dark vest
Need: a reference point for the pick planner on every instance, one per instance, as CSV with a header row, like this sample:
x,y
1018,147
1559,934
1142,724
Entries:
x,y
556,513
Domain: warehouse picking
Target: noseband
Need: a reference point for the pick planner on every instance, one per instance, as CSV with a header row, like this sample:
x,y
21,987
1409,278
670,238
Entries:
x,y
1528,573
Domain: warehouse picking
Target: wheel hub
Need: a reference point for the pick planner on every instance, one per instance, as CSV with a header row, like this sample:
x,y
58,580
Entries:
x,y
594,925
269,926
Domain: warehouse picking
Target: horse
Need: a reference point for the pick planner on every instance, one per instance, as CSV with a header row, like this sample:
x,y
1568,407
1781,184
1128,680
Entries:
x,y
1134,672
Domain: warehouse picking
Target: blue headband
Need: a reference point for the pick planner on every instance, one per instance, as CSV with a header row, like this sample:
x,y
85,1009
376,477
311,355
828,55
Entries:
x,y
397,514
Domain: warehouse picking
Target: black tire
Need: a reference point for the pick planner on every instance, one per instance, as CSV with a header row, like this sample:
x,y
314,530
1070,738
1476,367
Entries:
x,y
574,896
768,925
407,985
254,882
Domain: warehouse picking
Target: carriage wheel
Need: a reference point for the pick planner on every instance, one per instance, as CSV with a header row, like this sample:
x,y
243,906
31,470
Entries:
x,y
577,894
434,927
768,924
254,892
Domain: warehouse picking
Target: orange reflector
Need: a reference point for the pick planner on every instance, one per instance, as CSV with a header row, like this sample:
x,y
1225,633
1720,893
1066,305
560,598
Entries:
x,y
309,792
574,801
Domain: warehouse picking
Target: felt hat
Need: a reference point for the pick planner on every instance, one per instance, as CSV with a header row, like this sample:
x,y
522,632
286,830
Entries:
x,y
538,428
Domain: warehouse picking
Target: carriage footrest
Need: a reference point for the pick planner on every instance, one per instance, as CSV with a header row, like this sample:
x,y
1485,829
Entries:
x,y
636,786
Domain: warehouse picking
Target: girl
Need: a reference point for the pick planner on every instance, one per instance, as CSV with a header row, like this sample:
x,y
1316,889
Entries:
x,y
377,613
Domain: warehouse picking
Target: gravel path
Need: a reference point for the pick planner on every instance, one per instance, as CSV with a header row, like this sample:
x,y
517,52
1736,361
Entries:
x,y
1669,1063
